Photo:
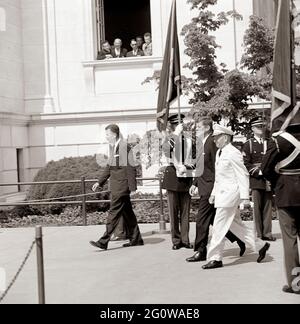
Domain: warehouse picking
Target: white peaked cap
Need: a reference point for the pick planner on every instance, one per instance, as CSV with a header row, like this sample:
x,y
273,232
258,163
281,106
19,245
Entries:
x,y
218,130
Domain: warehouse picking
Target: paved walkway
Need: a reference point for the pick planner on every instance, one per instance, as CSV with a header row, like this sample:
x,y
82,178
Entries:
x,y
78,273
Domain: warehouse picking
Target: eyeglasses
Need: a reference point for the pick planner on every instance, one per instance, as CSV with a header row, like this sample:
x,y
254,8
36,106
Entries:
x,y
133,44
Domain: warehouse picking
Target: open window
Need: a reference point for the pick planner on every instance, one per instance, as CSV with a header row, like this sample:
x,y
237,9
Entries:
x,y
124,19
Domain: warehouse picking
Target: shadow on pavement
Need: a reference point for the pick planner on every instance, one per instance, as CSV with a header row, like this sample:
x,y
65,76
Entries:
x,y
248,258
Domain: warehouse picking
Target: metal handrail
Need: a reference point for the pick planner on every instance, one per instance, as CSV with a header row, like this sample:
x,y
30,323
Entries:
x,y
59,182
83,201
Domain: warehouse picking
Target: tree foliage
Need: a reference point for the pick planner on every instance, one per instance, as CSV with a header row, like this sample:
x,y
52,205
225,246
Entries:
x,y
201,48
259,46
216,91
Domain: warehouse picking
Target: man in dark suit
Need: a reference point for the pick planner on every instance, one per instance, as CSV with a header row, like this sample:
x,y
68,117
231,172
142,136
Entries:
x,y
281,166
117,50
135,50
140,42
105,52
253,152
177,183
204,186
122,174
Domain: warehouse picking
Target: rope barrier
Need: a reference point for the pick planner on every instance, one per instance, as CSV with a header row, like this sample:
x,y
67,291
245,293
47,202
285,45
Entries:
x,y
18,272
66,197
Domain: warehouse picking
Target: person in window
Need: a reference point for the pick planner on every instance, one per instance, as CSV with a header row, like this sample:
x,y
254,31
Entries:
x,y
147,47
135,50
139,42
117,50
105,52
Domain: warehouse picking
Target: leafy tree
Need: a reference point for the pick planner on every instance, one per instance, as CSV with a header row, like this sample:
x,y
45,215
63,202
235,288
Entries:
x,y
201,48
259,46
216,91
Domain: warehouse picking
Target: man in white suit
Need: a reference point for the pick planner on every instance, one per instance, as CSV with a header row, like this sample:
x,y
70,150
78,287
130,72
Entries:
x,y
231,188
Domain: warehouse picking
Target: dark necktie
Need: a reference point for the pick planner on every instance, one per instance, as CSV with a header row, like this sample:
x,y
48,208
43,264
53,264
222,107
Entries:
x,y
220,152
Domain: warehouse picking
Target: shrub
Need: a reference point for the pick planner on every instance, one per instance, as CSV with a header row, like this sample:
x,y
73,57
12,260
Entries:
x,y
68,169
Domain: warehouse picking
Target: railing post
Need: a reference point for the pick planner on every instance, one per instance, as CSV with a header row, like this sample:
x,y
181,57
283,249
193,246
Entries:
x,y
162,222
40,263
83,192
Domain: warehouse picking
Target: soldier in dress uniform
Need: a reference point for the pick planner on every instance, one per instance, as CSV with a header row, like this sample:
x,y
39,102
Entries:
x,y
177,182
253,152
281,165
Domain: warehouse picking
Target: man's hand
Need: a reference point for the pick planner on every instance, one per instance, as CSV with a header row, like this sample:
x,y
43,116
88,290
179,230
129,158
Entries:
x,y
244,203
193,191
211,200
95,186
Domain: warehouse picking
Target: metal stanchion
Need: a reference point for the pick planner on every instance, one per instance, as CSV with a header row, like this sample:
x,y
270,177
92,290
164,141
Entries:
x,y
83,191
40,263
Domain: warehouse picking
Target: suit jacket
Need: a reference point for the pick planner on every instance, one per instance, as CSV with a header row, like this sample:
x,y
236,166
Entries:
x,y
123,52
102,55
205,183
120,170
286,187
139,53
231,178
253,153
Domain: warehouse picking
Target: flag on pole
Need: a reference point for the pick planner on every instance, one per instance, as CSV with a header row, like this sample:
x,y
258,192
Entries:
x,y
284,106
170,78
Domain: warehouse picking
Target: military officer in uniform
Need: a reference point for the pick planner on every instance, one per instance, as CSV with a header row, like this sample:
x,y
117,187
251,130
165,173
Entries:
x,y
281,165
177,183
253,152
122,174
231,188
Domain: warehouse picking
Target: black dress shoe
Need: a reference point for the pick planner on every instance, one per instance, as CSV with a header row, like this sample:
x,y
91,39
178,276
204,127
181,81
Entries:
x,y
213,265
177,246
242,246
271,239
262,252
197,257
187,246
98,245
289,290
133,244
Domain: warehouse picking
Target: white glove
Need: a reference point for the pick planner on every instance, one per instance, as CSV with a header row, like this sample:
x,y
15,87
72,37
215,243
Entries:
x,y
181,170
178,130
193,191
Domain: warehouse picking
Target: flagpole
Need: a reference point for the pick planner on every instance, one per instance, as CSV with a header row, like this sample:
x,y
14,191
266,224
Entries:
x,y
178,101
292,36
